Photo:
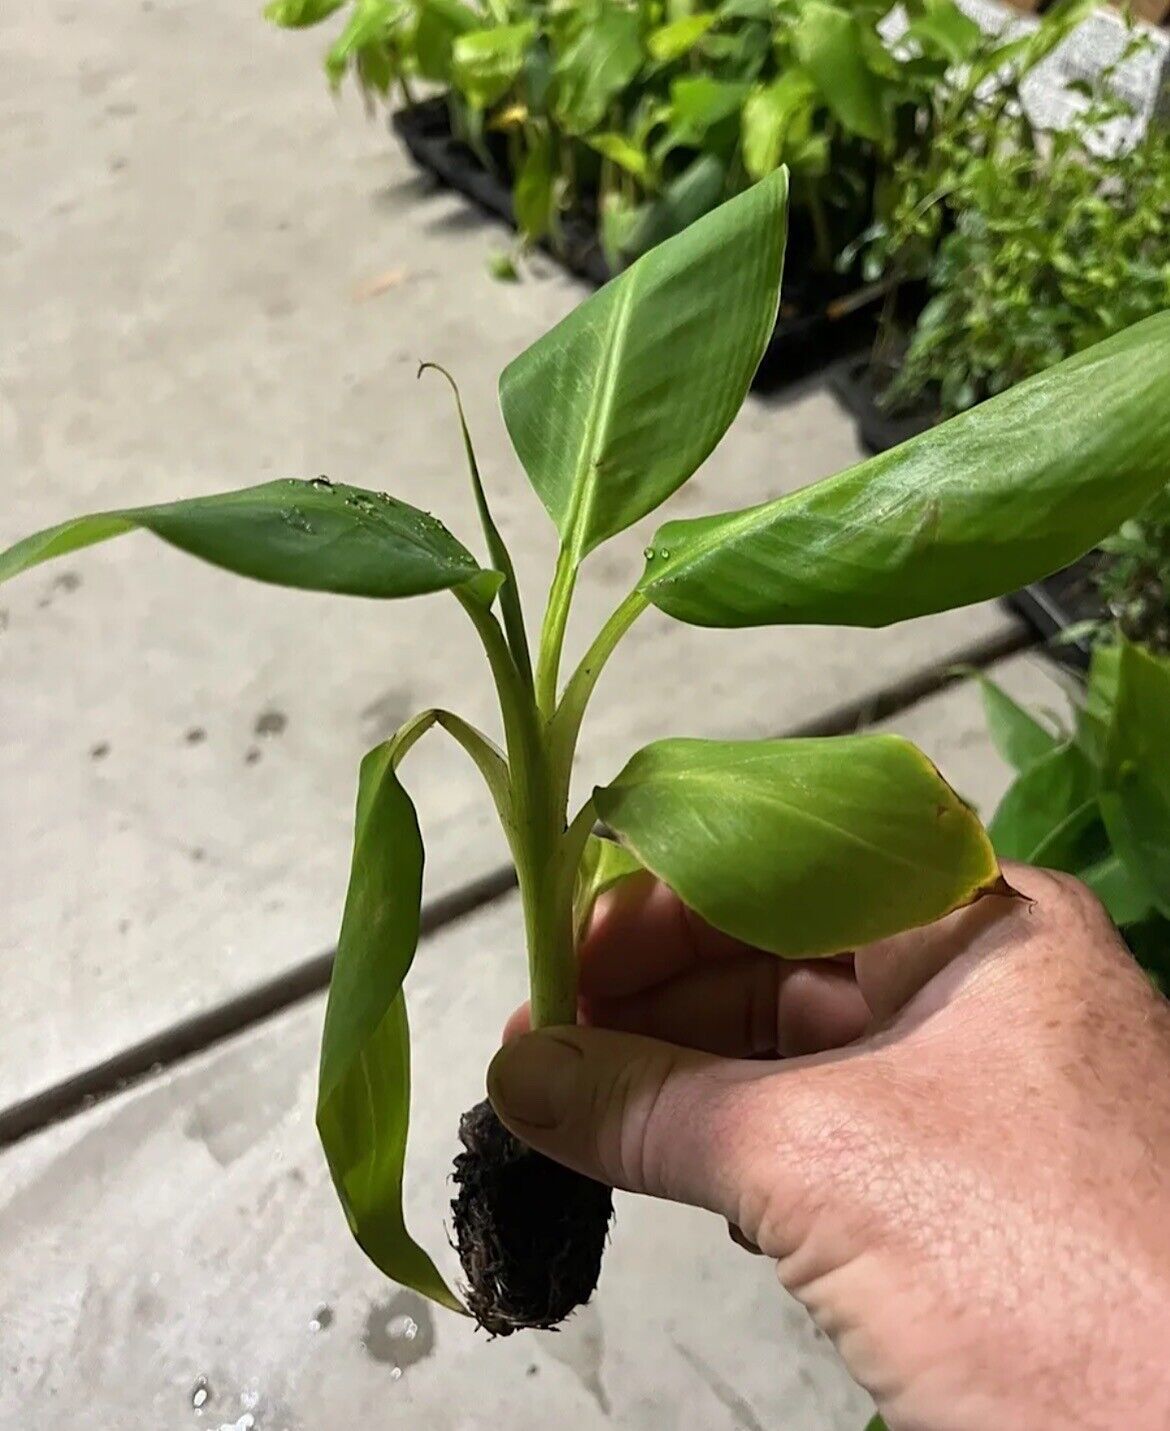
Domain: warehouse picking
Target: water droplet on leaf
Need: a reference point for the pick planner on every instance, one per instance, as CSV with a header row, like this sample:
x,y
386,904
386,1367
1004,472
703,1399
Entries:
x,y
322,484
648,553
295,518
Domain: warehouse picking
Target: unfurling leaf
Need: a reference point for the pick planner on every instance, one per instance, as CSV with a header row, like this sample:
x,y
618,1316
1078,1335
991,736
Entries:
x,y
318,535
618,405
604,864
985,503
801,847
363,1102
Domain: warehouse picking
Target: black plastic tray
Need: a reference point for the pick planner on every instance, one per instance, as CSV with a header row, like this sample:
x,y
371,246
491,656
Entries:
x,y
1050,606
811,331
1058,602
877,431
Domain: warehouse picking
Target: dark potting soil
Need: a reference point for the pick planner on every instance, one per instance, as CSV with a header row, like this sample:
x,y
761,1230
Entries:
x,y
530,1233
821,318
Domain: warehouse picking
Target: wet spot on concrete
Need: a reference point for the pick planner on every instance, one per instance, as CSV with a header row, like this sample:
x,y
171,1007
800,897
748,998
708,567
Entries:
x,y
532,1370
270,722
251,755
95,81
3,619
123,926
195,736
279,307
148,1306
230,1127
399,1332
198,854
63,584
386,712
117,164
100,750
322,1318
121,109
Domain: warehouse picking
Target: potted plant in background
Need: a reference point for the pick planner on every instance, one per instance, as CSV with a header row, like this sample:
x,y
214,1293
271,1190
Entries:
x,y
601,129
1033,244
802,847
1092,795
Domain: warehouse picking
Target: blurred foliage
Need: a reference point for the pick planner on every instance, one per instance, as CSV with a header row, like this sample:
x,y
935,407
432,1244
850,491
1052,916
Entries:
x,y
1134,581
1093,798
1033,245
643,115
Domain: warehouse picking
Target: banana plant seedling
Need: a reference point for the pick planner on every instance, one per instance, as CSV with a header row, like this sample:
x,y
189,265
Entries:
x,y
803,847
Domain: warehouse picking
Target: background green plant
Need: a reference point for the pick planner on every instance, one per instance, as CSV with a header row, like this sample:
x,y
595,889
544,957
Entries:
x,y
644,115
1134,578
1034,245
1092,797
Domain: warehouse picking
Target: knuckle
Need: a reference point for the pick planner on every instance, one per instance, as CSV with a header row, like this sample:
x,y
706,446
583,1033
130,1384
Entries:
x,y
630,1123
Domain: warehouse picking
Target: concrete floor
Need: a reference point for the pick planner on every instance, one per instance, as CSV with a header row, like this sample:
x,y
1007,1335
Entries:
x,y
209,275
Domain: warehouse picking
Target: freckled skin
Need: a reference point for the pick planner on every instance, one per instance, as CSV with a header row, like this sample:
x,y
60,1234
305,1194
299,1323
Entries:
x,y
968,1185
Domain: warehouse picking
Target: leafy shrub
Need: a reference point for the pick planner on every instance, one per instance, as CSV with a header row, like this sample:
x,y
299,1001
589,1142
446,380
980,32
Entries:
x,y
1134,580
646,115
1093,799
1034,246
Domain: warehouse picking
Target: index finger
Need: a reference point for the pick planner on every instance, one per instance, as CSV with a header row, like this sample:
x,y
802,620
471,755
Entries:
x,y
640,935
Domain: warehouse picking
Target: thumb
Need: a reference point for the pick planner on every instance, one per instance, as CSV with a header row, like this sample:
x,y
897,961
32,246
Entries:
x,y
633,1112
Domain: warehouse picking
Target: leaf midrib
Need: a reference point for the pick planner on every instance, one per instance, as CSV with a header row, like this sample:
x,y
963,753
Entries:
x,y
585,475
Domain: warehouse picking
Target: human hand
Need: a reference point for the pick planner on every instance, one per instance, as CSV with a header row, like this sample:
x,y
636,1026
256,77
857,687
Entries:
x,y
956,1145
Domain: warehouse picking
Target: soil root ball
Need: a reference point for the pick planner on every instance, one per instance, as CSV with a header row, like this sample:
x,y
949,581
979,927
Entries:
x,y
530,1234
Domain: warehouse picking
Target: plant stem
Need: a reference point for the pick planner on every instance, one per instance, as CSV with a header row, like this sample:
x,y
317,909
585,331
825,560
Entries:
x,y
552,635
566,724
536,835
541,738
546,886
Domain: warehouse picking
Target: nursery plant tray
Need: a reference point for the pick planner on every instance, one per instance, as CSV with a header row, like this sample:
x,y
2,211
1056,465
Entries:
x,y
812,330
1059,602
877,430
1052,606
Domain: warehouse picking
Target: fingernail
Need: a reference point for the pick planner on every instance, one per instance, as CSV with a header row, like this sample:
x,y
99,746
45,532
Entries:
x,y
532,1079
